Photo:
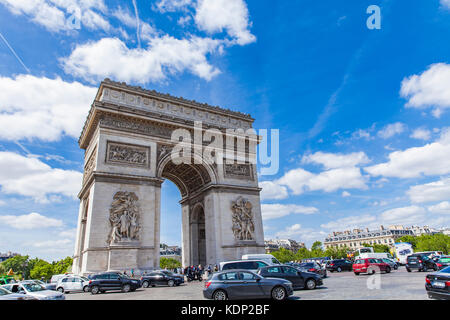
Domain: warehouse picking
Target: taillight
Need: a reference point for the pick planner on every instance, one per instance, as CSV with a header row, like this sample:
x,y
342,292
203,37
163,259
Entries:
x,y
427,281
447,283
332,264
312,270
90,281
142,278
207,284
439,265
420,261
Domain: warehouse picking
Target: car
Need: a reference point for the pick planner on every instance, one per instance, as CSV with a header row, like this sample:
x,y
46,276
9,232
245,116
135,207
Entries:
x,y
6,280
48,286
299,278
442,262
339,265
437,284
370,266
161,277
391,263
268,258
34,290
8,295
112,281
421,262
56,277
73,284
252,265
245,284
313,267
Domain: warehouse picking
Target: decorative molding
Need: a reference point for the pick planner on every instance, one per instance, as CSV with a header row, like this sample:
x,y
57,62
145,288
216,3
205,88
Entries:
x,y
127,154
135,125
90,165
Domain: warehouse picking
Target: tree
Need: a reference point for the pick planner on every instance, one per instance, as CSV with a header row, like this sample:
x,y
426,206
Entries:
x,y
284,255
42,269
19,264
62,266
169,263
428,242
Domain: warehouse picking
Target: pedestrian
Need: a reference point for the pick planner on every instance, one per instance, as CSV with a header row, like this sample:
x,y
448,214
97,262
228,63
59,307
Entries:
x,y
132,273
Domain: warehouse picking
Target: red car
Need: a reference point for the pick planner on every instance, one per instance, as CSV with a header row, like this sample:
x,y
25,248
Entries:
x,y
370,265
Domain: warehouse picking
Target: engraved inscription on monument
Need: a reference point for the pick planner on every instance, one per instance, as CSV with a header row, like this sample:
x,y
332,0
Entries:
x,y
238,171
243,226
118,153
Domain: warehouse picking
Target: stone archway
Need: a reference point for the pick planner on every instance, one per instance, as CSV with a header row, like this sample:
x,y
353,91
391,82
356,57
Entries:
x,y
128,146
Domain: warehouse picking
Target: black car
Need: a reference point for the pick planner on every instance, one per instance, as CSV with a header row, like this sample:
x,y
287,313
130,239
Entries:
x,y
437,284
299,278
421,262
339,265
442,261
161,278
312,267
110,281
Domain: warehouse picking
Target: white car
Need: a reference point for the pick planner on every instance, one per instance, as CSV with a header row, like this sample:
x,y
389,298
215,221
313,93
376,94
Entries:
x,y
8,295
73,284
35,290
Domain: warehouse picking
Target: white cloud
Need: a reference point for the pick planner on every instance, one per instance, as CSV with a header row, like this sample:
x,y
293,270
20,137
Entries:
x,y
272,190
30,221
229,15
391,130
431,159
54,244
429,192
421,134
350,222
171,5
336,160
296,231
70,233
55,15
405,215
346,194
296,180
110,57
33,107
440,208
274,211
429,89
445,3
32,178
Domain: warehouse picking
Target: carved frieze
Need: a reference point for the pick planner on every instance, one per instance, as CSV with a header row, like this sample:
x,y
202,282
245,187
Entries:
x,y
90,165
119,153
124,216
238,171
135,126
242,218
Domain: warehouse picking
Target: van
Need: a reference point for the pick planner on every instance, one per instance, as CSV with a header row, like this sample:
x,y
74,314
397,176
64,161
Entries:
x,y
376,255
56,277
252,265
268,258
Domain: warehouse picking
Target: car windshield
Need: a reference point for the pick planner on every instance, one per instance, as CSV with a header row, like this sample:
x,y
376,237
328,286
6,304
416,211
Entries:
x,y
446,270
4,292
84,279
33,287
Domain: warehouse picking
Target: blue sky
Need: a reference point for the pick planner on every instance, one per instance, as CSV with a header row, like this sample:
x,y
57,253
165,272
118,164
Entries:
x,y
363,114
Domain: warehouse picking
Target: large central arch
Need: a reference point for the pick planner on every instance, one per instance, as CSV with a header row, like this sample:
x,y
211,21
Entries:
x,y
128,146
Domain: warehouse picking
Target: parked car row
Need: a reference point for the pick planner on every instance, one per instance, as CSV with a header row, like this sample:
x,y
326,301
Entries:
x,y
32,290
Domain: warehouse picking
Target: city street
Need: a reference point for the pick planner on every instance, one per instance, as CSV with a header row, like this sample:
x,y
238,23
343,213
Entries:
x,y
397,285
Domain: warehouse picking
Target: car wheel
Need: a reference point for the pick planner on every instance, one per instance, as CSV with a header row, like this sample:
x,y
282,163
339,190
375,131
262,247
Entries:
x,y
388,269
170,283
60,289
339,269
435,268
395,267
145,284
357,273
425,269
278,293
407,269
85,289
310,284
220,295
126,288
95,290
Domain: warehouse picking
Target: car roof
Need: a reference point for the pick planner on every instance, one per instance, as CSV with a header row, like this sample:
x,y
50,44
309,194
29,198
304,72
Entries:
x,y
234,270
250,260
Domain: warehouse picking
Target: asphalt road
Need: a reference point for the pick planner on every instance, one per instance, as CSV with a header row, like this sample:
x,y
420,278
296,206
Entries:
x,y
397,285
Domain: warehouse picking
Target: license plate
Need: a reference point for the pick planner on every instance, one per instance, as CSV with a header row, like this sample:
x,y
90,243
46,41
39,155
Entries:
x,y
357,269
437,284
412,262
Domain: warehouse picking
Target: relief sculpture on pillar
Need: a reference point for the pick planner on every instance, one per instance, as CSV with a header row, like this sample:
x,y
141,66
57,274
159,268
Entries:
x,y
243,226
124,218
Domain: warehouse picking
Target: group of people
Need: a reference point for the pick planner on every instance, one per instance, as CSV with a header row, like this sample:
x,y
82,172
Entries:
x,y
196,271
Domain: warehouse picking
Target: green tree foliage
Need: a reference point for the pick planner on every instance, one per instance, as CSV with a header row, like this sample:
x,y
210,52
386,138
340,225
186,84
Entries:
x,y
380,248
19,264
62,266
24,267
42,269
284,255
169,263
426,242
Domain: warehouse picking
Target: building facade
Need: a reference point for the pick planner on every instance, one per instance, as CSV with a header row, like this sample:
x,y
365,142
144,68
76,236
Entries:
x,y
6,256
289,244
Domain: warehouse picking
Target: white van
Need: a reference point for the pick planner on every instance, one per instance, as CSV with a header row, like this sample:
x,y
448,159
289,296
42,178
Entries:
x,y
376,255
268,258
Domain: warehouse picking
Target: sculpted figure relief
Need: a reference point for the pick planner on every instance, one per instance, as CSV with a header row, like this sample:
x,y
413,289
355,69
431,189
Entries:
x,y
126,154
243,226
124,217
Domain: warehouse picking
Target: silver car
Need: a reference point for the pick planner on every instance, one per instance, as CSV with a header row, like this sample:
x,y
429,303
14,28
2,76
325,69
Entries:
x,y
8,295
34,290
73,284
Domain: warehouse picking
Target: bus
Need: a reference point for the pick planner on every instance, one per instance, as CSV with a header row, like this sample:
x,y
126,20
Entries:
x,y
402,251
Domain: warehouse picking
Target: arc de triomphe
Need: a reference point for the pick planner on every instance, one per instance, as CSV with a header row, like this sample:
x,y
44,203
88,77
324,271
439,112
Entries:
x,y
128,146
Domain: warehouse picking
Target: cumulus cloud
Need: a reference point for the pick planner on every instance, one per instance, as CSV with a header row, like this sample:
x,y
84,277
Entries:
x,y
296,231
110,57
391,130
274,211
429,192
231,16
429,89
30,177
43,108
445,3
346,194
336,160
55,15
30,221
351,222
271,190
440,208
421,134
171,5
404,215
431,159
